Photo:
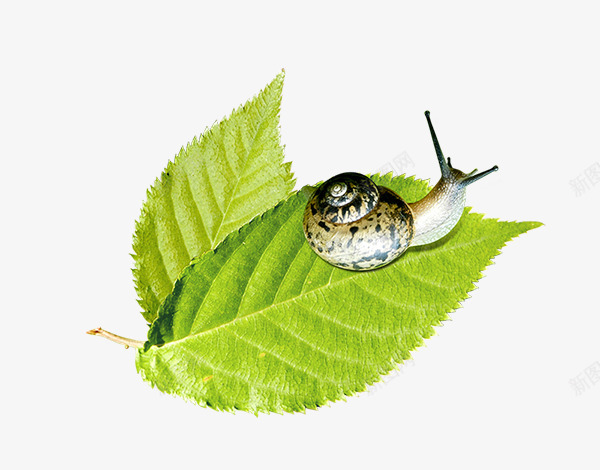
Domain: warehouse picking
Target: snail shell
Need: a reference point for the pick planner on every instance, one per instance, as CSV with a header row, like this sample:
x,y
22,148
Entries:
x,y
354,224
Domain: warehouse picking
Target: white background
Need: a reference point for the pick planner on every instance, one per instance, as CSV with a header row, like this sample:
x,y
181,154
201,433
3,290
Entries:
x,y
96,98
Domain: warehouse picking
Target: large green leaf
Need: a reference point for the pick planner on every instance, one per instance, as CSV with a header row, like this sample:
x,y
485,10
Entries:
x,y
219,182
263,324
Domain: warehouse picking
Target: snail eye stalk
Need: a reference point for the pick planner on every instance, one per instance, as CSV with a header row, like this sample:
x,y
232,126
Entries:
x,y
472,177
444,165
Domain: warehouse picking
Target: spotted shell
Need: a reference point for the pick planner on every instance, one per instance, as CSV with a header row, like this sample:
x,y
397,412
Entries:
x,y
354,224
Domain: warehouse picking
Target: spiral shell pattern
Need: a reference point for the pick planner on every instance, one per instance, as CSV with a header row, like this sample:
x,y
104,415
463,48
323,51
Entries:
x,y
354,224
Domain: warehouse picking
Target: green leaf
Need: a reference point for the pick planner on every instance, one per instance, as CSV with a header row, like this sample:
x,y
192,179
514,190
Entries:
x,y
218,183
263,324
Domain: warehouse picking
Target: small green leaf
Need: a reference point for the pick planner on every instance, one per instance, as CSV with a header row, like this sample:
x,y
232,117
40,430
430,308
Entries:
x,y
219,182
263,324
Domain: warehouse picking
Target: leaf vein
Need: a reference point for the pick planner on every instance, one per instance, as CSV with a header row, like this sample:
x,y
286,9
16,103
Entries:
x,y
185,181
313,345
232,374
287,271
290,364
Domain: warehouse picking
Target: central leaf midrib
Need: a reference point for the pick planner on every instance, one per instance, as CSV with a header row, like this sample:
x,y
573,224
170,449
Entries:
x,y
258,312
266,309
296,298
242,175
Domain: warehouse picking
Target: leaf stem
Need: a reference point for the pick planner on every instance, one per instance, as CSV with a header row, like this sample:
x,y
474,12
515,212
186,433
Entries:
x,y
127,342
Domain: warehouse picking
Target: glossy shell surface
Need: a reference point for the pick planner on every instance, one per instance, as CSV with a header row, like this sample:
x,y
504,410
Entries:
x,y
353,224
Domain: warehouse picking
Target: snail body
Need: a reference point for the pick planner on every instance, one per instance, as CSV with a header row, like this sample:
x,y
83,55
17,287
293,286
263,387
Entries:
x,y
354,224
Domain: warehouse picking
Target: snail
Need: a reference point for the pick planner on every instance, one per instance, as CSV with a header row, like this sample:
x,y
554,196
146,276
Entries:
x,y
354,224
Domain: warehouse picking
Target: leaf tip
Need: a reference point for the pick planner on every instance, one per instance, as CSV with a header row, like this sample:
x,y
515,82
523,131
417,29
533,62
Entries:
x,y
535,224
